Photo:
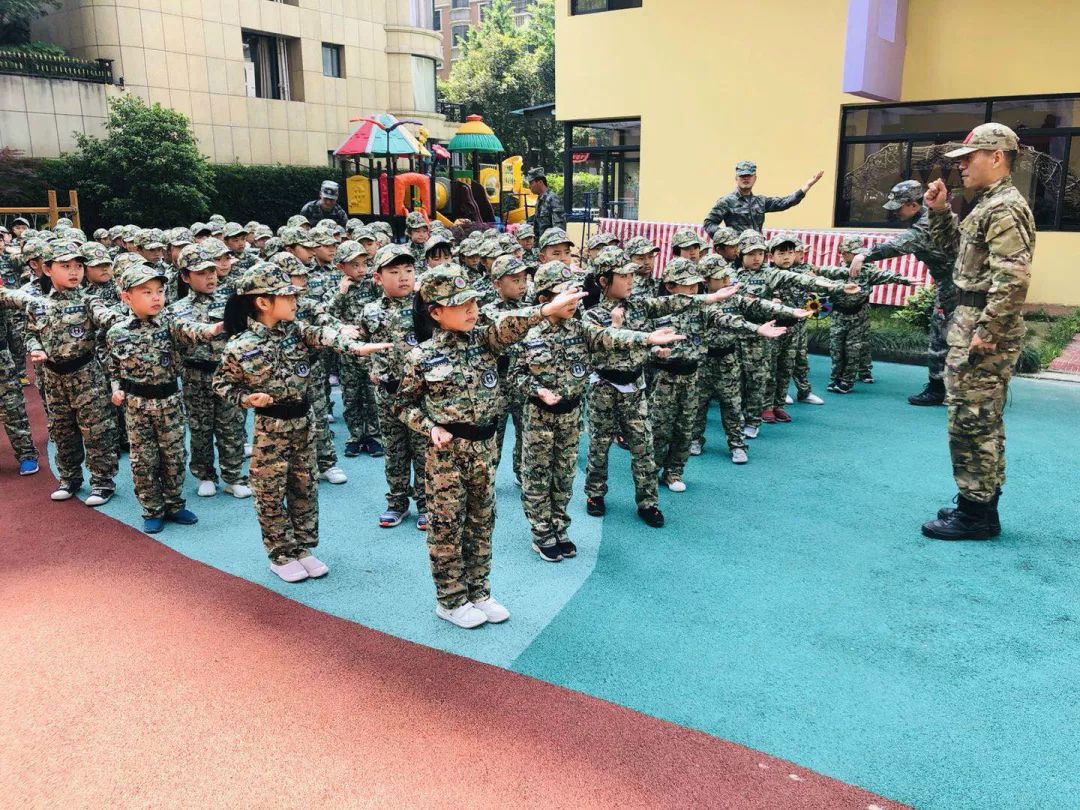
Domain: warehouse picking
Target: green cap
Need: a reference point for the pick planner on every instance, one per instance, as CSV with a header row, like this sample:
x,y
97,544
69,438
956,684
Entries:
x,y
446,285
200,229
382,227
149,239
95,253
137,273
639,246
524,231
296,221
195,258
180,237
555,236
125,260
232,229
115,231
215,247
554,277
714,267
362,234
264,278
289,263
782,239
217,219
906,191
416,219
987,136
292,236
851,243
682,271
745,167
507,266
725,236
599,240
608,259
437,239
349,251
750,240
536,173
321,237
273,245
388,254
687,237
491,249
62,250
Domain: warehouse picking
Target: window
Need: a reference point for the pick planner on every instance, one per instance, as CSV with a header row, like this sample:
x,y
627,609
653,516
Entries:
x,y
458,33
333,57
423,82
421,13
610,151
266,66
436,23
592,6
459,3
882,144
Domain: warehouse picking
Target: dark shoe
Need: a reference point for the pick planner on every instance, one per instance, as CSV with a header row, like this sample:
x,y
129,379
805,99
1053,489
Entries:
x,y
185,517
153,525
843,387
992,513
620,440
566,548
768,416
549,553
867,378
595,506
833,386
421,522
374,448
932,394
651,515
352,448
969,521
781,415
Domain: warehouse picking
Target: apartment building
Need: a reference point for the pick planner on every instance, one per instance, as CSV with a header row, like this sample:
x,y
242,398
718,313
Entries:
x,y
454,18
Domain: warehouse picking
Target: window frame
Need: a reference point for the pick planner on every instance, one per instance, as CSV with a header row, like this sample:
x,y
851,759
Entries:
x,y
908,138
339,51
576,12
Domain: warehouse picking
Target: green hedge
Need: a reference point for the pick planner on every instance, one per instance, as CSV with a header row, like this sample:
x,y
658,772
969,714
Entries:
x,y
583,182
269,194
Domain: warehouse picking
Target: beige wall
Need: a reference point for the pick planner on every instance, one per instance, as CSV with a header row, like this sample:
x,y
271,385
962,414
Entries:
x,y
188,55
40,117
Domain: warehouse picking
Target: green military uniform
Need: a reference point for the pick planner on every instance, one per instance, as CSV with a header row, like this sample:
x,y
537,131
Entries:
x,y
549,212
747,211
414,221
12,401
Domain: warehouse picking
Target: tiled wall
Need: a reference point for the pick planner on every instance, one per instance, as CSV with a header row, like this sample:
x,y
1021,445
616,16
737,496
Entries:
x,y
41,116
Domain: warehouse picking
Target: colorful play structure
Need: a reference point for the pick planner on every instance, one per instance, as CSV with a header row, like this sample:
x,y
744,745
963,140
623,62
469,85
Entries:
x,y
394,172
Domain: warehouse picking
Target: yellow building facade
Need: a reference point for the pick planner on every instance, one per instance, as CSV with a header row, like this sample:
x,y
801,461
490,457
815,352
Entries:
x,y
714,84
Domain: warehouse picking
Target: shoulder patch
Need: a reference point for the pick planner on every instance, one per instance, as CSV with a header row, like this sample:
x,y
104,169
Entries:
x,y
251,353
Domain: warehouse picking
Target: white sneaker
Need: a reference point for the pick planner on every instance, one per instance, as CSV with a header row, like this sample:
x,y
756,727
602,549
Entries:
x,y
812,399
330,418
695,448
207,489
314,566
738,456
99,497
676,485
238,490
248,450
493,610
292,571
335,475
750,431
788,400
63,493
465,615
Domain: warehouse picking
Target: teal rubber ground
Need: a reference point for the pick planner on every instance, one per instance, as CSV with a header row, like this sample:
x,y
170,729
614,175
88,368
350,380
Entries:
x,y
790,605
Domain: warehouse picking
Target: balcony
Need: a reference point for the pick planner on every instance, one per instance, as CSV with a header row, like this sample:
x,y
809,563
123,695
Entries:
x,y
47,66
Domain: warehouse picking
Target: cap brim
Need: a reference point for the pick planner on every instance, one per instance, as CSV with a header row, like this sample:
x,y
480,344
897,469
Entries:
x,y
462,297
64,257
98,262
892,205
963,150
745,174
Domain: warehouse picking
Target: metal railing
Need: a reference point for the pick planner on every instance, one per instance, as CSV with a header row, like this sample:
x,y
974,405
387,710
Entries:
x,y
453,112
48,66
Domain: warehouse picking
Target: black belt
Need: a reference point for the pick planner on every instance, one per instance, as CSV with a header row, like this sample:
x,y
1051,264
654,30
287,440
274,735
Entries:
x,y
617,376
680,368
718,351
972,299
564,405
502,363
473,433
68,366
209,366
390,385
286,410
149,391
847,309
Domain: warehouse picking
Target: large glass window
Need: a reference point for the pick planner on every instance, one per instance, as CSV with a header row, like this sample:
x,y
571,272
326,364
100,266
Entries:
x,y
267,66
592,6
332,60
882,144
605,160
423,82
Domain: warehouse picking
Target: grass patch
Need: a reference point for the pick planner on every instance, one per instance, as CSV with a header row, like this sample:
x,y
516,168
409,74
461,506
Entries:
x,y
1057,337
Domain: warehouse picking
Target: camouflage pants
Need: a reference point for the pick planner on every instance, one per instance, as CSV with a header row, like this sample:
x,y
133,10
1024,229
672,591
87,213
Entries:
x,y
848,334
361,410
461,499
938,348
720,379
612,411
13,409
319,394
213,420
673,408
513,413
81,416
405,453
283,479
801,370
786,348
975,395
755,355
155,430
549,451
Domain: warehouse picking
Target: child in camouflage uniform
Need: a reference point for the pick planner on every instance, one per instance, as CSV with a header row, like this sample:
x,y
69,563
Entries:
x,y
555,358
265,366
13,404
417,232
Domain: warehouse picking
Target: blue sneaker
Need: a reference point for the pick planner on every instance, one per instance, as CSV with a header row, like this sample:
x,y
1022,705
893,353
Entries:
x,y
153,525
374,448
28,466
185,517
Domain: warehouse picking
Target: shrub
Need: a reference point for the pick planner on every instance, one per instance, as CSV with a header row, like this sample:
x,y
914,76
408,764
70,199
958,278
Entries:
x,y
269,194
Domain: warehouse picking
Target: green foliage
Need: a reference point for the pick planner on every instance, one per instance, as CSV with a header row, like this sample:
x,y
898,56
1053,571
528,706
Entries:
x,y
269,194
146,170
918,309
16,16
1059,336
583,183
889,341
35,47
1029,361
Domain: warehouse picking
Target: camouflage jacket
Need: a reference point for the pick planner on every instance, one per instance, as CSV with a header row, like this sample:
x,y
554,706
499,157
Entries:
x,y
746,314
419,253
644,287
918,240
246,259
638,315
315,212
748,211
869,277
275,361
322,283
549,213
64,325
349,306
993,246
146,351
790,287
389,320
454,377
206,309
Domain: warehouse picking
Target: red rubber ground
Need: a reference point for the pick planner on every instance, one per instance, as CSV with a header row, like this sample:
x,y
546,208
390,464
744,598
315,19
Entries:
x,y
134,675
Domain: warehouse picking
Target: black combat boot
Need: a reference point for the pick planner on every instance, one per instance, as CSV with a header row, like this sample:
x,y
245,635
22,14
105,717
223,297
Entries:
x,y
932,394
992,513
970,520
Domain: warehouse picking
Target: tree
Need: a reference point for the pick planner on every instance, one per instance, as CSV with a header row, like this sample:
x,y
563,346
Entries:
x,y
147,169
16,16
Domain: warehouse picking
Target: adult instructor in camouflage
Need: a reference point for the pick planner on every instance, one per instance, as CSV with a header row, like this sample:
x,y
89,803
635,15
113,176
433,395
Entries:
x,y
744,210
549,208
993,246
906,199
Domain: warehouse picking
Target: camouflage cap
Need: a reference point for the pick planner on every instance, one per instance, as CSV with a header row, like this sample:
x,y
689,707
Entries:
x,y
125,260
991,136
99,233
745,167
554,277
329,225
725,236
682,271
35,248
263,232
322,237
264,278
329,189
349,251
138,273
289,263
297,221
273,245
907,191
599,240
781,239
115,231
252,225
180,237
524,231
490,249
293,236
232,229
62,250
382,227
75,233
446,285
63,222
382,240
508,243
555,236
639,246
216,219
437,240
536,173
195,258
200,229
749,241
627,269
130,232
415,220
609,258
506,266
389,254
851,243
353,222
216,229
714,267
362,234
469,247
95,254
687,237
215,247
491,233
20,221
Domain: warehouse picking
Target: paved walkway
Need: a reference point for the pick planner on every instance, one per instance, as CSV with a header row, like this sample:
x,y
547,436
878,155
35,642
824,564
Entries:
x,y
1069,360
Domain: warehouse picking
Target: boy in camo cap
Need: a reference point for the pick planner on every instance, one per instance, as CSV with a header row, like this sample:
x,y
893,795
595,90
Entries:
x,y
526,238
417,232
643,254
